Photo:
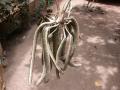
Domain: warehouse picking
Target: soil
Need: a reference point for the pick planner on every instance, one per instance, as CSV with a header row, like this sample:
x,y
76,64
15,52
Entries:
x,y
98,53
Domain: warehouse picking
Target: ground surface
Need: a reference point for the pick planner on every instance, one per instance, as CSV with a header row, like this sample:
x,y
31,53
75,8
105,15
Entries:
x,y
98,53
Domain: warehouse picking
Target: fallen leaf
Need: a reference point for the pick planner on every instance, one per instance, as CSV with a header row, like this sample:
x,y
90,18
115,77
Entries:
x,y
98,83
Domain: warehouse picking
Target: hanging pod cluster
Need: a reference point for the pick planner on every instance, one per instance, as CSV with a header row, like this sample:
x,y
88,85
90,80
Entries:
x,y
59,38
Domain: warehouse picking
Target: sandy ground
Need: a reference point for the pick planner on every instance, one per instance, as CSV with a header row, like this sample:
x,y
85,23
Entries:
x,y
98,53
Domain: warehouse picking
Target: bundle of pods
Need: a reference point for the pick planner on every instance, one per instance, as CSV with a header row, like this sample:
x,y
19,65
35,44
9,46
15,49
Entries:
x,y
59,37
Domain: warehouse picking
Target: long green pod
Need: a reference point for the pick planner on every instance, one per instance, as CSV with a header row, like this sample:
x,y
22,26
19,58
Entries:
x,y
50,39
73,50
46,57
51,54
66,6
59,51
71,55
74,30
56,38
69,46
46,53
63,48
51,34
49,49
43,74
60,48
38,30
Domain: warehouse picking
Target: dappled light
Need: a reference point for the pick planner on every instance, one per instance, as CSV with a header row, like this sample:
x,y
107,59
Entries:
x,y
96,40
92,53
81,60
105,73
111,41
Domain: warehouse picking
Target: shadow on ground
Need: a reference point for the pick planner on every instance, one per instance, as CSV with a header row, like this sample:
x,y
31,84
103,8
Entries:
x,y
98,52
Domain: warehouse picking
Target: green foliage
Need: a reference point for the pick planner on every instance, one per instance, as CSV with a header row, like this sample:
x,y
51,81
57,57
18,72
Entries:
x,y
13,16
41,8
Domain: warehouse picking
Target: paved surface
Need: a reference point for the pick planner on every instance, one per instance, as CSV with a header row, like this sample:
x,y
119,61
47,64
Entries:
x,y
98,53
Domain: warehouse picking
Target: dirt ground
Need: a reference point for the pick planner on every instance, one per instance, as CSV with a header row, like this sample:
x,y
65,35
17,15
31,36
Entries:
x,y
98,53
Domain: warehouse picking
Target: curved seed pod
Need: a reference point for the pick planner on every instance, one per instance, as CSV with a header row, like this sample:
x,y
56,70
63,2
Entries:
x,y
51,34
50,38
74,30
45,42
74,43
65,7
67,59
43,72
63,53
51,45
59,51
51,54
46,58
71,55
38,30
56,39
71,30
72,25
